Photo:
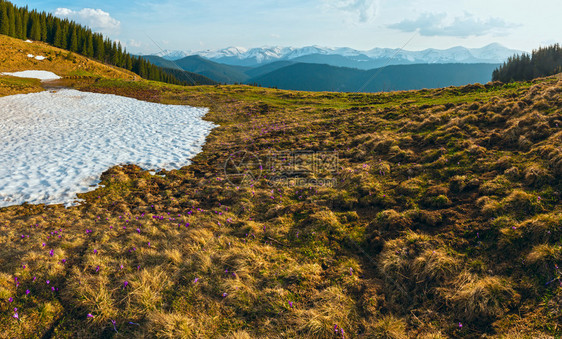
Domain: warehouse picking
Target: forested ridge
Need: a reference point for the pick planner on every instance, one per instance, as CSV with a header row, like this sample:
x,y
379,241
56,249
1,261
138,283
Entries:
x,y
21,23
541,62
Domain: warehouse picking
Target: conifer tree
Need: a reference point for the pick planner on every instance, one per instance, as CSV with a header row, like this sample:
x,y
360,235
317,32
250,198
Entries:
x,y
73,41
84,48
99,51
11,20
24,24
90,47
119,53
57,38
35,33
18,25
4,20
43,27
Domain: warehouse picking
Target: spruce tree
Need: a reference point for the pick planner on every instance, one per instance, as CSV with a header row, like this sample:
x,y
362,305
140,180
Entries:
x,y
128,62
4,20
84,48
73,41
11,21
19,24
43,27
57,39
24,25
99,48
64,35
90,47
119,54
35,32
114,54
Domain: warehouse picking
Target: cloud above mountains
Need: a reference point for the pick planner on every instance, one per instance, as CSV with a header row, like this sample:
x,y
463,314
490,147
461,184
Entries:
x,y
439,24
96,19
364,10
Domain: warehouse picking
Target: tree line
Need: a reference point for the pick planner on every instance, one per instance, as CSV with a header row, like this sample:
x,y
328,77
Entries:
x,y
19,22
541,62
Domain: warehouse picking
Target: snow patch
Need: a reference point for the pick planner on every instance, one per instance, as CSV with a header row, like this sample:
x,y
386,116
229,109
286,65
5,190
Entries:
x,y
55,144
38,57
41,75
28,41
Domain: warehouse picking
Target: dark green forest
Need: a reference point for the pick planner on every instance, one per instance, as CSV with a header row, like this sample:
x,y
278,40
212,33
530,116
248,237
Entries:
x,y
21,23
542,62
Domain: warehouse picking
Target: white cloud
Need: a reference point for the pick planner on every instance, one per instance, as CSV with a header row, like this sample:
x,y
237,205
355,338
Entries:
x,y
363,10
134,43
96,19
438,24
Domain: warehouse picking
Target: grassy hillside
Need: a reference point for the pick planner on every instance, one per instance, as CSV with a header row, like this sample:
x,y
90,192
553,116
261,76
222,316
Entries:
x,y
13,57
441,218
317,77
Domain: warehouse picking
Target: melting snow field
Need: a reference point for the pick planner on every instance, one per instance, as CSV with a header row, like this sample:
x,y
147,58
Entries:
x,y
42,75
56,144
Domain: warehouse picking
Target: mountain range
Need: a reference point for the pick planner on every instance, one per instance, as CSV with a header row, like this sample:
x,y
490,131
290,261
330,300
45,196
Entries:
x,y
295,75
349,57
315,68
318,77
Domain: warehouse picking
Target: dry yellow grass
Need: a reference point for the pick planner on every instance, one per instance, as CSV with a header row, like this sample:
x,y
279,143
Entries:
x,y
425,230
13,58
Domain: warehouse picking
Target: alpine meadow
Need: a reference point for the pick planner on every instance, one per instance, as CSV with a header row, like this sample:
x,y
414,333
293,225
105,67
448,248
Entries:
x,y
278,192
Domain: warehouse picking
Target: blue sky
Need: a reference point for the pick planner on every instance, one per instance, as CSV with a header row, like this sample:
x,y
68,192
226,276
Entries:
x,y
360,24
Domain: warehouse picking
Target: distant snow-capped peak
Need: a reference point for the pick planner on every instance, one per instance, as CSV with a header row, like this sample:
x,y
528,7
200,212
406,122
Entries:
x,y
222,53
490,53
173,54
